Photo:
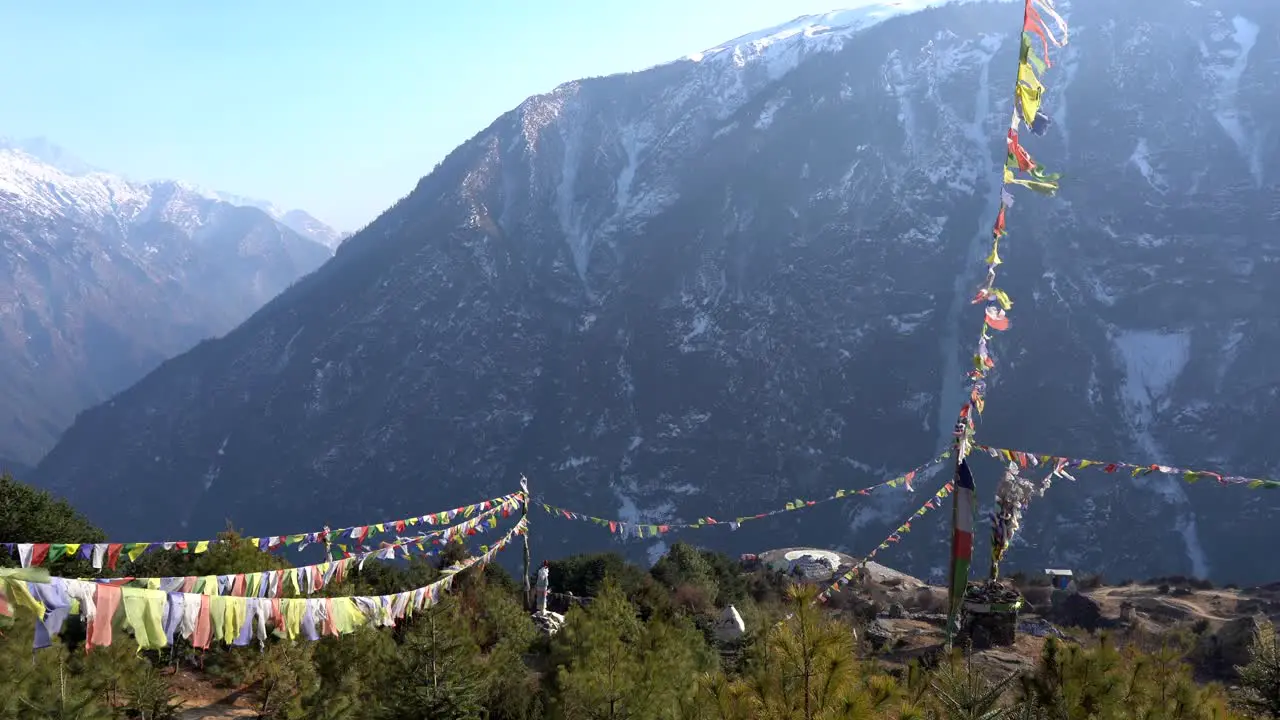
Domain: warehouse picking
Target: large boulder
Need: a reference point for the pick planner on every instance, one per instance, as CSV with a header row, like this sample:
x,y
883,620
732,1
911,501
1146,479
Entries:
x,y
548,622
729,626
1078,611
879,635
1228,648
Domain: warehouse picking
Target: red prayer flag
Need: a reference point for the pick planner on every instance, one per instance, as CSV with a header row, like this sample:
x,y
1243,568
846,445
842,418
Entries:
x,y
39,552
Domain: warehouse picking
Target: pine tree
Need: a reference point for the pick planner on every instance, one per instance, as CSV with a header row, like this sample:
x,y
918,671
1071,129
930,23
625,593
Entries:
x,y
1261,677
148,696
46,686
609,665
1073,683
806,667
285,676
685,570
964,694
715,697
438,674
30,515
352,674
504,632
1103,683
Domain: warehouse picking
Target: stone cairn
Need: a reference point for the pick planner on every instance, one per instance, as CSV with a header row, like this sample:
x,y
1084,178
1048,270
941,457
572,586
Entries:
x,y
990,615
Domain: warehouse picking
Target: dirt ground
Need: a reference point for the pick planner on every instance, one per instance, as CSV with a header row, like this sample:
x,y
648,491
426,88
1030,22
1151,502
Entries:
x,y
203,701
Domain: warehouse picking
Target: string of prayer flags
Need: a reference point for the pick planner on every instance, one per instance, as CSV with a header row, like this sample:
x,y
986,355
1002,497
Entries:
x,y
933,503
445,517
1058,467
108,554
155,617
308,579
1020,169
643,530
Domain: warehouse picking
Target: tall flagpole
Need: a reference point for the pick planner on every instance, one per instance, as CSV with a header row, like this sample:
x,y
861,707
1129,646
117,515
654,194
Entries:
x,y
524,516
964,512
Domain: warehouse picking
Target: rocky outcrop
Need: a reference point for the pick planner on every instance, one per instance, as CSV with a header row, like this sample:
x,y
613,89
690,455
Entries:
x,y
548,622
1228,647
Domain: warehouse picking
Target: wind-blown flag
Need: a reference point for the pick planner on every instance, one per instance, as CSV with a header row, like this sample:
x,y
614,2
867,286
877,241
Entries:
x,y
964,517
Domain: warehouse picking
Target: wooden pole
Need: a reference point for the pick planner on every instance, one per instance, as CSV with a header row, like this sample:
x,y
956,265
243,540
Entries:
x,y
953,602
524,515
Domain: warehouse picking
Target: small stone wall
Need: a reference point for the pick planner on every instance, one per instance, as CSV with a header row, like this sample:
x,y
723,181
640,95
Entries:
x,y
989,629
990,615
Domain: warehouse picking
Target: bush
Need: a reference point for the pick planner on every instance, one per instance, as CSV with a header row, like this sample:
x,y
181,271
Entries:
x,y
1090,582
1040,598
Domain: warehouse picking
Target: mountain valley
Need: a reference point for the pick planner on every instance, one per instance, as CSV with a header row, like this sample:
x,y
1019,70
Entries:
x,y
722,283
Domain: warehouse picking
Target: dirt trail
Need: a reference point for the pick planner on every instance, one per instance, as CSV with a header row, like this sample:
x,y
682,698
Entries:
x,y
1199,605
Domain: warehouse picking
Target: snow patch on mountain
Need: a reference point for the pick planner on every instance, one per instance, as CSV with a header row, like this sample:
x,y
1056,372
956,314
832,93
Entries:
x,y
1226,67
1141,159
1152,361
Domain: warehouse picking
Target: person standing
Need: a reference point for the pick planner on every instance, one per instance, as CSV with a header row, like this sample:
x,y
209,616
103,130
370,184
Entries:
x,y
543,586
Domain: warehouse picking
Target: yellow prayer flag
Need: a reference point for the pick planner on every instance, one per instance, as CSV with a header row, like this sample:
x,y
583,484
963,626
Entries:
x,y
202,546
1003,298
1029,101
994,258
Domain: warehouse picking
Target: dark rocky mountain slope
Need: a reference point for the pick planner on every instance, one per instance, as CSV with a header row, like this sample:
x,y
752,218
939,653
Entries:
x,y
740,278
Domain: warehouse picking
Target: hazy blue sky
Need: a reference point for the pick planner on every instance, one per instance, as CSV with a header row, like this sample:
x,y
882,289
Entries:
x,y
334,107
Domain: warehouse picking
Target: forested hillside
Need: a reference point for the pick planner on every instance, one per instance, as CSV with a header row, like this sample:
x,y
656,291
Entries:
x,y
639,644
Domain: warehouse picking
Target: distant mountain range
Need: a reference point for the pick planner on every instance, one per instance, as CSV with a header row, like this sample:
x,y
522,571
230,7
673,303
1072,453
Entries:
x,y
102,278
744,277
300,221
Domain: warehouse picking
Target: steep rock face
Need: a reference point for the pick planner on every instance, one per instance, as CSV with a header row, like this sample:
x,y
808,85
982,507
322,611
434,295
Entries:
x,y
741,278
101,279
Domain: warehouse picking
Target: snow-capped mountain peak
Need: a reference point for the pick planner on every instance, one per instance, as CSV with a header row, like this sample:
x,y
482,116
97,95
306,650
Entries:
x,y
51,154
818,31
38,188
44,178
297,220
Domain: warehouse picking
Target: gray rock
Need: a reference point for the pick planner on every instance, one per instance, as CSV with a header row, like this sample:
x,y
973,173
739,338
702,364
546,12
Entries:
x,y
1077,610
548,622
1230,644
879,635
